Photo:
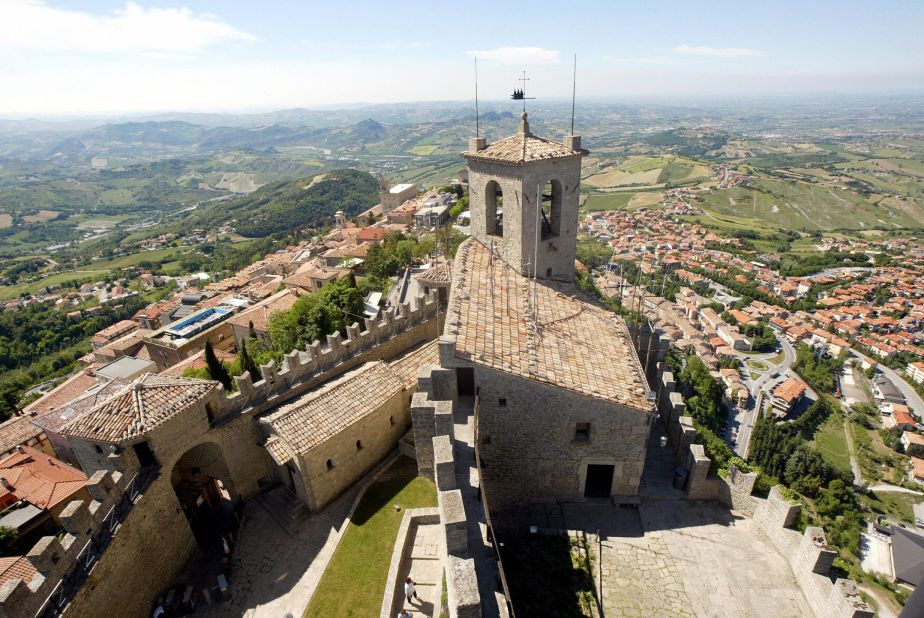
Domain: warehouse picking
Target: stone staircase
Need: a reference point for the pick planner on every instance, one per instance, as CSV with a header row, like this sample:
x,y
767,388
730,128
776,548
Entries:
x,y
283,507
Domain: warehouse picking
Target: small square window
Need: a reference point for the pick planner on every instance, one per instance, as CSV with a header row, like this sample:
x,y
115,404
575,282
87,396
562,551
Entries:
x,y
359,445
502,402
330,464
582,432
98,448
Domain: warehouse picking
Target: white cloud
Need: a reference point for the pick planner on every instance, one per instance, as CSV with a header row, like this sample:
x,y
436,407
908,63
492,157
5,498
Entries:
x,y
715,52
517,55
404,45
646,60
34,25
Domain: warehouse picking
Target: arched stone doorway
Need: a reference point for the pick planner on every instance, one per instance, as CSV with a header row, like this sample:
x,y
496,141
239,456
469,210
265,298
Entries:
x,y
203,486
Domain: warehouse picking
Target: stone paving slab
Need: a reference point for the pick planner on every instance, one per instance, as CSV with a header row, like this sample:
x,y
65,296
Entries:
x,y
679,558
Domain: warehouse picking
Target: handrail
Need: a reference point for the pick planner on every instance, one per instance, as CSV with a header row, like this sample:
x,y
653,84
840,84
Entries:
x,y
492,538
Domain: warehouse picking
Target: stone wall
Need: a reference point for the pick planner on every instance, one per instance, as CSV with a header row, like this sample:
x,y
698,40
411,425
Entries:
x,y
810,559
377,433
433,426
404,544
140,535
154,542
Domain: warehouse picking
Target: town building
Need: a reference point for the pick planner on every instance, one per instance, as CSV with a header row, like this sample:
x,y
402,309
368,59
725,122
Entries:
x,y
916,372
786,396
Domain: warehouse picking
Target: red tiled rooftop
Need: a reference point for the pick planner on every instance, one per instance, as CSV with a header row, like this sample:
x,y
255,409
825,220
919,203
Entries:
x,y
39,478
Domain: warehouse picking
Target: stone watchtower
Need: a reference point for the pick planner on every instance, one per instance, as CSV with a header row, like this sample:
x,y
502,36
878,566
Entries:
x,y
524,194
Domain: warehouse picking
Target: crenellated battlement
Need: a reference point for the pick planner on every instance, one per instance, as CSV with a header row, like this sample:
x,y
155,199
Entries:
x,y
62,564
304,369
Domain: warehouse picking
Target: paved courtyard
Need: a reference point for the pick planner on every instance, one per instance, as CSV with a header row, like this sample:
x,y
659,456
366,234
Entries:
x,y
679,558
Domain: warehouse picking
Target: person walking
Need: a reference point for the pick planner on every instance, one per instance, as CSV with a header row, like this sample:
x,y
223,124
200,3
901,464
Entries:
x,y
404,614
410,590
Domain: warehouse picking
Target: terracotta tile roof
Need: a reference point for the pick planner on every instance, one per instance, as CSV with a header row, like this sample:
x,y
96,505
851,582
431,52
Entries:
x,y
575,343
39,478
436,275
277,451
372,233
259,313
56,417
119,328
16,567
511,150
790,390
322,414
142,405
15,431
407,366
62,394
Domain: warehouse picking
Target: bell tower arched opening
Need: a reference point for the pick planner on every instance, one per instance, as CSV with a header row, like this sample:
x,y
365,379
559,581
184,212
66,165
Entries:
x,y
494,209
550,206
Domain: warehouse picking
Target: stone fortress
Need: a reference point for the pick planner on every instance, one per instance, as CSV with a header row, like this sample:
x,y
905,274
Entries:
x,y
520,391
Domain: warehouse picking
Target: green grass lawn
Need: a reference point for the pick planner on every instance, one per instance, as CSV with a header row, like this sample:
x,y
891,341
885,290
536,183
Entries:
x,y
355,578
608,201
757,365
892,503
832,443
776,359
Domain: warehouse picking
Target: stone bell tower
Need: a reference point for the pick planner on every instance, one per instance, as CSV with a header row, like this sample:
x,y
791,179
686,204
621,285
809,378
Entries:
x,y
524,193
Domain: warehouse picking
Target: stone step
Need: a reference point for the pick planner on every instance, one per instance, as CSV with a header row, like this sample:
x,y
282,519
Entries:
x,y
283,507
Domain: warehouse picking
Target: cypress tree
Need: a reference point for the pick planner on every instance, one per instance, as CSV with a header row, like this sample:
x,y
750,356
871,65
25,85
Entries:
x,y
215,367
247,363
251,331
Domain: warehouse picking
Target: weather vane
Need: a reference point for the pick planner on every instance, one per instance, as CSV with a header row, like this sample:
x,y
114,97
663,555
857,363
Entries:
x,y
520,93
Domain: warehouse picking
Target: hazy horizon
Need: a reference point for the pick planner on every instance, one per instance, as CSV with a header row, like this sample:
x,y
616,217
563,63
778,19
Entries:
x,y
105,57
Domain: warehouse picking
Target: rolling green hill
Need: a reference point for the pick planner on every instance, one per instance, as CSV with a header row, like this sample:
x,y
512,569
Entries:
x,y
288,205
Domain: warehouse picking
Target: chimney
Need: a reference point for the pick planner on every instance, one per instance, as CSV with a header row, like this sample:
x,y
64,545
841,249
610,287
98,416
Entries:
x,y
6,484
477,143
573,142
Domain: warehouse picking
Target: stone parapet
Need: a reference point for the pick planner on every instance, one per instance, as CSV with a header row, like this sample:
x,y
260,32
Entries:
x,y
304,369
452,517
55,558
404,544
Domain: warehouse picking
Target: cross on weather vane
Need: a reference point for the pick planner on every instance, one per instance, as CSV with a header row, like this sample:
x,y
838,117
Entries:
x,y
520,94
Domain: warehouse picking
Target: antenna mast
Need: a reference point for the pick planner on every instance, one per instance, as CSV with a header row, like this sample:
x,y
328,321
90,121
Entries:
x,y
573,92
477,128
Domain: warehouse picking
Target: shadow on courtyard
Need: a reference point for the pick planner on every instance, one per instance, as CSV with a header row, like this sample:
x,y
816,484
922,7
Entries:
x,y
549,575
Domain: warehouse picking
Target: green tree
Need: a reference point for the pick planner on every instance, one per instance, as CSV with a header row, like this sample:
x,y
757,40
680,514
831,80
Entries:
x,y
216,369
247,363
8,537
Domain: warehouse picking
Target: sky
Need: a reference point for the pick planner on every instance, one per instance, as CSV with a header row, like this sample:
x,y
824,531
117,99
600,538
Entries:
x,y
67,57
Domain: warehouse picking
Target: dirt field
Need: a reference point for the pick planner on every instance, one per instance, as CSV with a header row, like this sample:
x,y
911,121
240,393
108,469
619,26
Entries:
x,y
6,220
645,199
239,182
43,215
619,178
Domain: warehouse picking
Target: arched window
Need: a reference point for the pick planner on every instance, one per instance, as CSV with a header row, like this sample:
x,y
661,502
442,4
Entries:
x,y
330,464
494,209
551,209
359,445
